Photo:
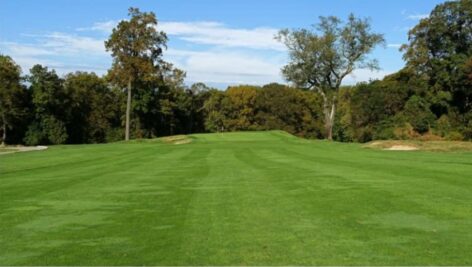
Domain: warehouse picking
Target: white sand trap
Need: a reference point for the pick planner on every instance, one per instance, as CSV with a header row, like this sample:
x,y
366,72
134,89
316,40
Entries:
x,y
181,142
14,149
30,148
402,148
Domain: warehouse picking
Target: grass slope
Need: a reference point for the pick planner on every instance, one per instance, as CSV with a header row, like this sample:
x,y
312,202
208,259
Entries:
x,y
235,199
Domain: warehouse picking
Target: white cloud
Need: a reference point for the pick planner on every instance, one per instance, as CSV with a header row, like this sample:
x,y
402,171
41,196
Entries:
x,y
27,62
417,16
209,33
105,26
61,51
242,68
214,33
231,55
394,45
26,50
68,43
362,75
225,66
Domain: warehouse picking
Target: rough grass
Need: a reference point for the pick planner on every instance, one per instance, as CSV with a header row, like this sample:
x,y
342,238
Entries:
x,y
235,199
7,149
423,145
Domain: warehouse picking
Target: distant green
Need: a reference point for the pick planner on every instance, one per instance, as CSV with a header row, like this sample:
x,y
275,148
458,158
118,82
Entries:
x,y
256,198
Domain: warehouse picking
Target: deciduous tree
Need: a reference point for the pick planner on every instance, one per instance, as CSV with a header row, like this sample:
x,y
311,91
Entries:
x,y
322,57
136,46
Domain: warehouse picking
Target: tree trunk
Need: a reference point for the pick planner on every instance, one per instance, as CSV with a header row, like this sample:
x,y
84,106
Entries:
x,y
329,109
4,132
329,112
128,110
4,135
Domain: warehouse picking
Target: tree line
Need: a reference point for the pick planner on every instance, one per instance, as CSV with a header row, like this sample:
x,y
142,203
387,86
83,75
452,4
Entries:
x,y
143,96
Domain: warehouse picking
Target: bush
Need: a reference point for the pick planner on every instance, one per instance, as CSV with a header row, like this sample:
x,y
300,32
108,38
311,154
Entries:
x,y
429,136
384,130
48,131
114,135
443,126
34,135
385,134
404,132
454,136
55,130
365,135
467,130
418,114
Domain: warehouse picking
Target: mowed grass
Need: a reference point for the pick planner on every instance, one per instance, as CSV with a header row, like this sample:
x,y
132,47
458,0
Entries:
x,y
259,198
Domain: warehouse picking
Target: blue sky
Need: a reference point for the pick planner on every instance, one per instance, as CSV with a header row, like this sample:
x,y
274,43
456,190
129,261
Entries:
x,y
216,42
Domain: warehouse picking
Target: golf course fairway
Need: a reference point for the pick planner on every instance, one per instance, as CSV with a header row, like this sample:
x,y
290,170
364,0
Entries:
x,y
249,198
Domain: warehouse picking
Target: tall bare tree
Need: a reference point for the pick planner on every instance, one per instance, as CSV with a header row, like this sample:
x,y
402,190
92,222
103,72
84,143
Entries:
x,y
322,57
136,46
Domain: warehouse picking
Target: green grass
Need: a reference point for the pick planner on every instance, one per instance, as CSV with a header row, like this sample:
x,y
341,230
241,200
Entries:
x,y
235,199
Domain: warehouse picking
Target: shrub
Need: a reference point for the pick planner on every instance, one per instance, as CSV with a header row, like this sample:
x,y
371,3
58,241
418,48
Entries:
x,y
467,130
114,134
430,136
55,130
418,114
48,131
454,136
384,134
404,132
443,126
34,135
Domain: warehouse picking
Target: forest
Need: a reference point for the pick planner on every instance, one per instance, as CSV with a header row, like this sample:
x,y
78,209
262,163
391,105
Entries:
x,y
143,96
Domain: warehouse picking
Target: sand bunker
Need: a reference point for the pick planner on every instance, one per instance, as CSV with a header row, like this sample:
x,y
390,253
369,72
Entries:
x,y
177,139
14,149
402,148
30,148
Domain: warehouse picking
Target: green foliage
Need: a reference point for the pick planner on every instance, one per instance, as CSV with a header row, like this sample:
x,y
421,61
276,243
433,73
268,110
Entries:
x,y
52,107
321,58
13,101
439,49
48,94
454,136
418,113
289,109
215,117
240,107
373,107
467,128
443,126
136,47
34,135
92,108
55,130
114,135
48,130
271,107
